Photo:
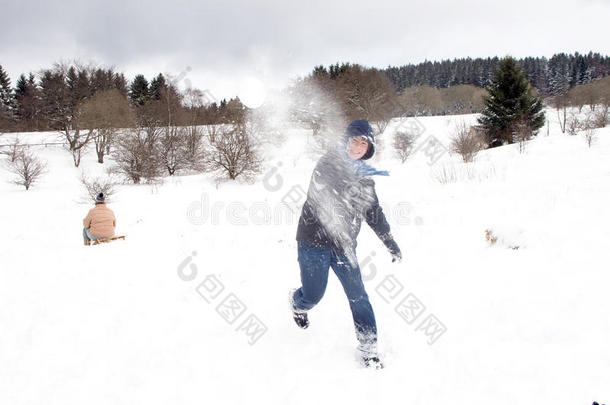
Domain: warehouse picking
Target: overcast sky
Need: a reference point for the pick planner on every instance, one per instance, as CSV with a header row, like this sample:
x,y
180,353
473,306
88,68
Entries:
x,y
241,47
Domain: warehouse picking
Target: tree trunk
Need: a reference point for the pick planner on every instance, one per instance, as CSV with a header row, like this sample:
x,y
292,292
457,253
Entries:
x,y
76,157
562,123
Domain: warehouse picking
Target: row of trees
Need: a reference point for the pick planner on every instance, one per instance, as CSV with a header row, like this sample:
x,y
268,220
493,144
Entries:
x,y
328,98
592,94
230,151
149,129
146,154
548,76
428,100
154,128
511,112
48,100
595,95
511,108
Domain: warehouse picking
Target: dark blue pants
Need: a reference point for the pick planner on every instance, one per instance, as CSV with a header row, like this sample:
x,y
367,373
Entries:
x,y
314,263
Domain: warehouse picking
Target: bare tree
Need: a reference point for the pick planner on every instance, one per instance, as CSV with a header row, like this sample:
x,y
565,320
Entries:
x,y
589,136
314,105
466,142
603,116
194,150
592,120
263,127
194,101
136,155
28,168
421,100
13,149
580,95
462,99
172,149
104,114
403,144
94,186
233,153
522,132
76,141
368,94
62,88
561,103
593,94
573,124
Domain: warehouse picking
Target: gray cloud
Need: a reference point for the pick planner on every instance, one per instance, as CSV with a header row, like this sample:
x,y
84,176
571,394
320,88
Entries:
x,y
274,41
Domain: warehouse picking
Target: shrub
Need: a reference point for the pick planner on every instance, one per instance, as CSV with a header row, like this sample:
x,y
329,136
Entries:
x,y
403,144
466,142
28,169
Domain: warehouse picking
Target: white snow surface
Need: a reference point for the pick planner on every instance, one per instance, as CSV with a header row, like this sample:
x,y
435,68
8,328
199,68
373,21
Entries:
x,y
525,321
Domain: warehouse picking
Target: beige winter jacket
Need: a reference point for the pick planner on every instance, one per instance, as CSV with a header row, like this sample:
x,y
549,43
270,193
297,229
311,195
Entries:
x,y
100,221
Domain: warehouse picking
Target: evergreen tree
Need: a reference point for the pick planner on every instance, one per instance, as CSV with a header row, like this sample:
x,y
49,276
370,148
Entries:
x,y
7,101
21,87
138,91
510,105
560,75
100,81
79,86
55,100
157,86
120,83
27,102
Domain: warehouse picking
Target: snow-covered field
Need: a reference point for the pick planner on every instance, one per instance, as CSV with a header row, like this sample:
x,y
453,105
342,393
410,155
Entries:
x,y
192,307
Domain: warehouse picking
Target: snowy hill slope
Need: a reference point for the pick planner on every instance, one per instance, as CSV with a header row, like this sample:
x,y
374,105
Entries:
x,y
148,321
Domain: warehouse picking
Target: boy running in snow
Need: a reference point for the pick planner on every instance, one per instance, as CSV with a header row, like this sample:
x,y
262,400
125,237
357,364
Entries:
x,y
341,193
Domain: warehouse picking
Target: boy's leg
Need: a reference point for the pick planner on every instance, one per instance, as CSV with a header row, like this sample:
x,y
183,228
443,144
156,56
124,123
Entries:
x,y
362,311
85,236
314,263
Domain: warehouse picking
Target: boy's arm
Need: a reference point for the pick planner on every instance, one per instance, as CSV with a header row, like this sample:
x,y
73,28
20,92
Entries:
x,y
377,221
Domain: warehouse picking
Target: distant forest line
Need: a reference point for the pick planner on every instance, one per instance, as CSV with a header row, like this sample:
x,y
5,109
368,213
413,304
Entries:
x,y
50,99
549,76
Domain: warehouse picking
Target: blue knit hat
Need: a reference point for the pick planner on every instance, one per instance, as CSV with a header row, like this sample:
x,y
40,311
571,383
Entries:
x,y
100,198
364,129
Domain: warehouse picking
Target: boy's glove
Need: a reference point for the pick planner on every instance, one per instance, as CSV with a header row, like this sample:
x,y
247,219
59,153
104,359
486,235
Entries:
x,y
393,248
